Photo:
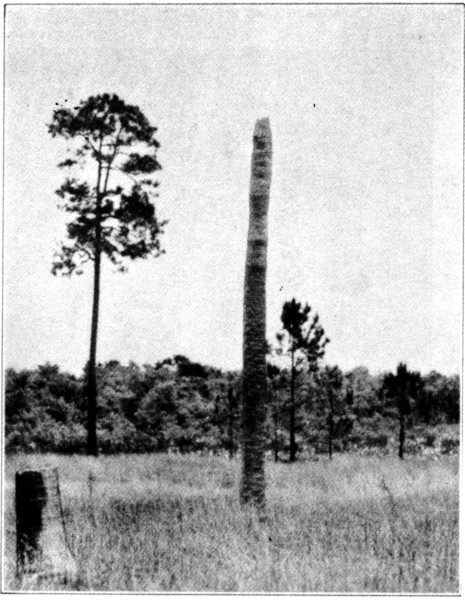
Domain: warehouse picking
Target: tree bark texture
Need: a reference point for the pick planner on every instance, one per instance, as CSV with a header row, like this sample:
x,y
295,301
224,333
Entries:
x,y
254,342
42,551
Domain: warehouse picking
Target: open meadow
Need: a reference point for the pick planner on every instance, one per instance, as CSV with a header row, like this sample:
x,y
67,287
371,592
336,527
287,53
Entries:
x,y
269,399
173,523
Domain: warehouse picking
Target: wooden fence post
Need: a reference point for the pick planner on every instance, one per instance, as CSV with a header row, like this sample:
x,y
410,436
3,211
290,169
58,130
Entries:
x,y
42,551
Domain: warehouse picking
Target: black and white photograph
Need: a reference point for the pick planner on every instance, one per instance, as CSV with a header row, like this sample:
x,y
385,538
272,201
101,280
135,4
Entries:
x,y
232,301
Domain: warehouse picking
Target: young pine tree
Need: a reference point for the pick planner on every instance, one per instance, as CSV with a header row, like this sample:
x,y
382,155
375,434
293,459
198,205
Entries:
x,y
302,340
402,387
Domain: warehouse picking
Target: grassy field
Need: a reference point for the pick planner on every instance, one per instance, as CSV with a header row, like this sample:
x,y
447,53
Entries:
x,y
173,523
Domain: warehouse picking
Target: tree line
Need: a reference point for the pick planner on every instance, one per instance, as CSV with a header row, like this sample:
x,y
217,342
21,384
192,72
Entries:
x,y
183,406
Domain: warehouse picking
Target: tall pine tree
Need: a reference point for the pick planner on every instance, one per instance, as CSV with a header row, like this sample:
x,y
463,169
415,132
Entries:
x,y
109,194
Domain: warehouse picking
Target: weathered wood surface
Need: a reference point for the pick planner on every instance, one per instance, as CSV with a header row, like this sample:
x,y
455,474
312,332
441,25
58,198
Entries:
x,y
254,344
42,551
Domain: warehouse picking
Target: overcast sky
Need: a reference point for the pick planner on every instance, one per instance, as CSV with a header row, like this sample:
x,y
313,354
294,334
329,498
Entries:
x,y
365,223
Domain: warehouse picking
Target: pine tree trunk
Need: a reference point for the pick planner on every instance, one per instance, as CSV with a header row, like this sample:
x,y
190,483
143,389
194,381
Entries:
x,y
254,348
276,441
330,425
292,446
401,435
402,410
92,445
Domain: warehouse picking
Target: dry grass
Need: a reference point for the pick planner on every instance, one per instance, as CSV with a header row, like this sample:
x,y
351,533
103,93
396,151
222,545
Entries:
x,y
160,522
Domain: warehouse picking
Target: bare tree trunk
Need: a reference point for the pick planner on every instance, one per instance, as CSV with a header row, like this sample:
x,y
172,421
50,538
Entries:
x,y
276,441
254,348
401,435
92,446
403,404
292,444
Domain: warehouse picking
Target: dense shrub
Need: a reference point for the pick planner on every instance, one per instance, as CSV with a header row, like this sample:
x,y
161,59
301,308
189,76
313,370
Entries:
x,y
430,440
376,440
450,445
186,407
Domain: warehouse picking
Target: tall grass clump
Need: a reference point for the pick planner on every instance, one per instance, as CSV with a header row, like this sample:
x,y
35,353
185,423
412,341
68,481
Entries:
x,y
174,523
